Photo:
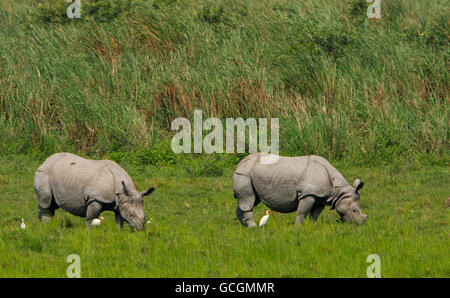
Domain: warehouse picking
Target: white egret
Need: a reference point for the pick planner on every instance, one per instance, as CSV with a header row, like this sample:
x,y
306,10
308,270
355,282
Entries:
x,y
264,219
96,221
22,225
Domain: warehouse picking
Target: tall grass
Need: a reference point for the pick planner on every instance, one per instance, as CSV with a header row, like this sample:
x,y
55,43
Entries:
x,y
343,86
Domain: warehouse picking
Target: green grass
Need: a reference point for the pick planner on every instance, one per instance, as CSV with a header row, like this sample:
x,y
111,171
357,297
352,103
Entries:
x,y
371,96
407,228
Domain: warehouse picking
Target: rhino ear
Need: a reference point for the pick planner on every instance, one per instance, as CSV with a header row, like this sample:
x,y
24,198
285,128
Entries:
x,y
147,192
358,184
125,191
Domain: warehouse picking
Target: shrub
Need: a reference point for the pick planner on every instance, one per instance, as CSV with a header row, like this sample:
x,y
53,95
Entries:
x,y
159,154
206,165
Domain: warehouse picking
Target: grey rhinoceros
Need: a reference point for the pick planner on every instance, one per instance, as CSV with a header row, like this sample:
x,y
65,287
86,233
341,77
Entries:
x,y
305,184
85,188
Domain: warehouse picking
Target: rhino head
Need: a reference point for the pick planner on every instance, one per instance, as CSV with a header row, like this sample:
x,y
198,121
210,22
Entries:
x,y
130,204
348,205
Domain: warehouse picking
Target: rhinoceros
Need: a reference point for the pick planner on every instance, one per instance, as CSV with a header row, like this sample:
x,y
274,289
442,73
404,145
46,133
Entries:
x,y
305,184
85,188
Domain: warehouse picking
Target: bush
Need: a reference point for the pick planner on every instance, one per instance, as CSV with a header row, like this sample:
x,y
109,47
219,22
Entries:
x,y
206,165
159,154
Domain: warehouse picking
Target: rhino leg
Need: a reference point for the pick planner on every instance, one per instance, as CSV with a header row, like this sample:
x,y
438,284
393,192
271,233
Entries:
x,y
45,214
119,219
304,207
47,204
93,211
244,193
316,210
246,217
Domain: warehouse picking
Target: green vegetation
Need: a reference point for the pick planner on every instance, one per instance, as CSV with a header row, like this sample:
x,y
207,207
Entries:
x,y
370,95
194,231
343,86
51,11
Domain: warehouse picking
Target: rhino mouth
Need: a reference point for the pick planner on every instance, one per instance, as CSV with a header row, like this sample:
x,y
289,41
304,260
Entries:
x,y
351,220
345,219
134,225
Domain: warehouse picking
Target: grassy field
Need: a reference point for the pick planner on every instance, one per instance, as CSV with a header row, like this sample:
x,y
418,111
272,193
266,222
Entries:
x,y
372,96
194,231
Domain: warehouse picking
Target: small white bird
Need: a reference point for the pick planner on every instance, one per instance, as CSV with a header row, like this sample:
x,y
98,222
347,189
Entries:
x,y
96,221
264,219
22,225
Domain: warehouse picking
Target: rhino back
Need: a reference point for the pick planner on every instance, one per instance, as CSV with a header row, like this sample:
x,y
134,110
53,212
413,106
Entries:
x,y
276,184
119,175
282,184
69,175
245,166
335,177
